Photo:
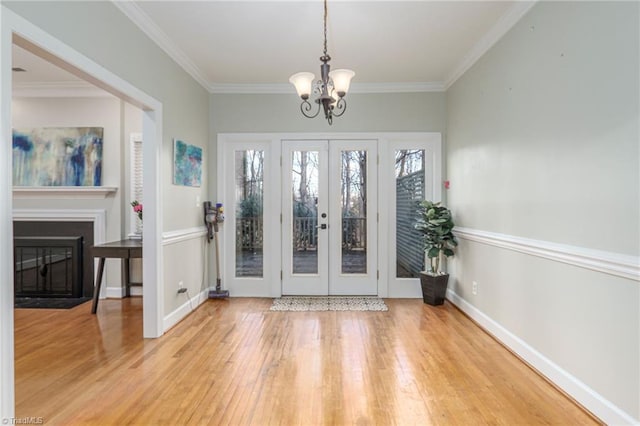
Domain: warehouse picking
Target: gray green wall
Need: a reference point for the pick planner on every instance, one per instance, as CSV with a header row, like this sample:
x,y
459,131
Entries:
x,y
542,142
280,113
383,112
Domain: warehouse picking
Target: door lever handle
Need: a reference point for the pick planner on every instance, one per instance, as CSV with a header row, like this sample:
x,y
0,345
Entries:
x,y
322,226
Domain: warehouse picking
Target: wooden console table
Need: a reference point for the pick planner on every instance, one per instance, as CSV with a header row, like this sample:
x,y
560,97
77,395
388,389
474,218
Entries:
x,y
125,250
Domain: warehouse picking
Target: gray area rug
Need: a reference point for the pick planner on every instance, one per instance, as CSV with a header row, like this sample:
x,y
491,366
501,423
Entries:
x,y
48,302
329,303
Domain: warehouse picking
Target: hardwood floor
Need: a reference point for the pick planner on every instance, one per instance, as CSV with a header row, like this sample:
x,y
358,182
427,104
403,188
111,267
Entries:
x,y
234,362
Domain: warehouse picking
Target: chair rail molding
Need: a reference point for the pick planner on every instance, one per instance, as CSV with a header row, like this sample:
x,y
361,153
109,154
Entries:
x,y
173,237
621,265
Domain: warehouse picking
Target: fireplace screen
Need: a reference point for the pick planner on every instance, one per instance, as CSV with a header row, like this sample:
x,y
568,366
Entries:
x,y
48,266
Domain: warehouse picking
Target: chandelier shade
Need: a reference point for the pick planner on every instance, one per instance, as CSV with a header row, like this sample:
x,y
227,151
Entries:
x,y
341,80
302,82
330,89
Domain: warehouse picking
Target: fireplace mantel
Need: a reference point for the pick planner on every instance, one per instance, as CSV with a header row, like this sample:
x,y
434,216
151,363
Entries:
x,y
97,216
41,192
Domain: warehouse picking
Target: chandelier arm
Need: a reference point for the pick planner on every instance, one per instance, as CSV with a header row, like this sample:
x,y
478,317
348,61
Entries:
x,y
340,107
305,108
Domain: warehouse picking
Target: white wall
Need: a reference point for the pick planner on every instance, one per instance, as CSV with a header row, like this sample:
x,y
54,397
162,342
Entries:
x,y
102,33
543,144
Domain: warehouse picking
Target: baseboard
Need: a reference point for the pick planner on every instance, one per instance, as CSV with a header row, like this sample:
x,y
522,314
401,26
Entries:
x,y
119,292
583,394
185,309
115,292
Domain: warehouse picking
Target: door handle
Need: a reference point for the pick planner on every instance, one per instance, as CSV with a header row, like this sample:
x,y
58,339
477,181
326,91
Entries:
x,y
322,226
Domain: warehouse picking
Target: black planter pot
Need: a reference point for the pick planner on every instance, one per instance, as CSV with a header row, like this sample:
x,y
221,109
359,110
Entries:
x,y
434,288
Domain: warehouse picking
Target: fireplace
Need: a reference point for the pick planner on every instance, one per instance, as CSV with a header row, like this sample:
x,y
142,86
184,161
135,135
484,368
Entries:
x,y
48,266
53,259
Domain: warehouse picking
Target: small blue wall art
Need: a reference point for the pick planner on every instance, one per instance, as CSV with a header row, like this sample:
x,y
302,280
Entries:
x,y
187,164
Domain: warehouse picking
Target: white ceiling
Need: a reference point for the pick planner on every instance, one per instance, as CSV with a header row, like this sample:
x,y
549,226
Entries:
x,y
254,46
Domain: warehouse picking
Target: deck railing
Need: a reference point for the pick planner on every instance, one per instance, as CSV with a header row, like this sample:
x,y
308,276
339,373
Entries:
x,y
249,233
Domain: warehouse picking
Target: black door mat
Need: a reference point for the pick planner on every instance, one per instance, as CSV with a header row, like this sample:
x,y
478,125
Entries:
x,y
49,302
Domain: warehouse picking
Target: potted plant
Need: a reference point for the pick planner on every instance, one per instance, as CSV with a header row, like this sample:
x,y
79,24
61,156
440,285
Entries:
x,y
436,225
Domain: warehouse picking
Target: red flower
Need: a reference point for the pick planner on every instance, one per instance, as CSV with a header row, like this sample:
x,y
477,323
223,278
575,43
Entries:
x,y
137,208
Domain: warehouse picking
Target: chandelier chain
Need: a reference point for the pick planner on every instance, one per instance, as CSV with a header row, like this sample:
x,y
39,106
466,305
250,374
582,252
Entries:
x,y
325,27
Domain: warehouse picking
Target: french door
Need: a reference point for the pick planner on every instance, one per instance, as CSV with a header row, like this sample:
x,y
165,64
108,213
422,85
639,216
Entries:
x,y
329,217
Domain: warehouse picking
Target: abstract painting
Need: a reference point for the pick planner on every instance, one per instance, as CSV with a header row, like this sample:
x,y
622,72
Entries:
x,y
57,156
187,164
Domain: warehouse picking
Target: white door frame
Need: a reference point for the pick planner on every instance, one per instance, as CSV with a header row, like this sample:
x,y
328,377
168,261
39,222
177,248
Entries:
x,y
15,28
388,286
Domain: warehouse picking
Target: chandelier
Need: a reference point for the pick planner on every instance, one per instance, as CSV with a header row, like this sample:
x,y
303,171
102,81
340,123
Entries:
x,y
332,84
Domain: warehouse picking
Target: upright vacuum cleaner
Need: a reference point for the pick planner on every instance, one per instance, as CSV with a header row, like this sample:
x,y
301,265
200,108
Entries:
x,y
212,217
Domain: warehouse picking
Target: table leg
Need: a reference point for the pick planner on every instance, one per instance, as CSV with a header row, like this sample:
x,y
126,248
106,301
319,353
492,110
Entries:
x,y
127,278
97,285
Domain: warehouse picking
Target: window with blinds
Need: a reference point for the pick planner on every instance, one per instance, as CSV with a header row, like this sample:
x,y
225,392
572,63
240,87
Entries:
x,y
136,180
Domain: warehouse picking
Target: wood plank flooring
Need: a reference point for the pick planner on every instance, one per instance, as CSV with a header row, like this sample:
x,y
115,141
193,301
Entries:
x,y
232,362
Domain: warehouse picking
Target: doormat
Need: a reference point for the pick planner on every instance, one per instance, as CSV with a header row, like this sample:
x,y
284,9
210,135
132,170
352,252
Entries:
x,y
329,303
49,302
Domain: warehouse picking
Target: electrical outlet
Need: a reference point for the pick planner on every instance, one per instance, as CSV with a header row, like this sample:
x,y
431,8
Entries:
x,y
181,288
197,201
180,284
474,287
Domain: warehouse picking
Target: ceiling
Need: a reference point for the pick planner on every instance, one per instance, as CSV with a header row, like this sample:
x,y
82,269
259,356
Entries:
x,y
254,46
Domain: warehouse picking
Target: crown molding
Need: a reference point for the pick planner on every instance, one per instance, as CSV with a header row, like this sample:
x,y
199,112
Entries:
x,y
149,27
504,24
285,88
146,24
58,89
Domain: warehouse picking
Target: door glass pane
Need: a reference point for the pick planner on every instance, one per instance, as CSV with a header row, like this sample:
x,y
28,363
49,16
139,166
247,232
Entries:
x,y
410,190
304,192
354,212
249,176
